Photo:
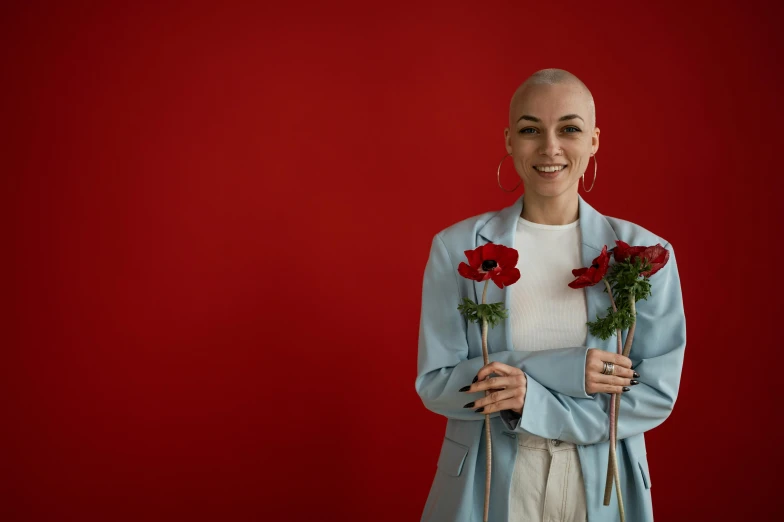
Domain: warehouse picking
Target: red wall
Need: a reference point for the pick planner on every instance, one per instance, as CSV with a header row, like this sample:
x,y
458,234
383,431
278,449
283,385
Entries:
x,y
216,220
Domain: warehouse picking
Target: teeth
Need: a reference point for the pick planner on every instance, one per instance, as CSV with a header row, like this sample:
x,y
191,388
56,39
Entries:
x,y
549,169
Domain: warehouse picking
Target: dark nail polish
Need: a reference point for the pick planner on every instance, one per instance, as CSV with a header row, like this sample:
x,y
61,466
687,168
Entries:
x,y
475,379
465,388
480,410
626,388
636,375
635,382
469,405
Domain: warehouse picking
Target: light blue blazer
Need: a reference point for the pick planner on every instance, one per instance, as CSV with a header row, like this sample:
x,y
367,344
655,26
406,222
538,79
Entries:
x,y
556,404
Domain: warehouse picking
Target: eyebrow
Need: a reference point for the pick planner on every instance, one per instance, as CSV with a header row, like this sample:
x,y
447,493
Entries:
x,y
537,120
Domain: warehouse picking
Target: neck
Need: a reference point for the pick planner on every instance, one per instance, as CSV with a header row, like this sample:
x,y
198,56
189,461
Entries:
x,y
557,210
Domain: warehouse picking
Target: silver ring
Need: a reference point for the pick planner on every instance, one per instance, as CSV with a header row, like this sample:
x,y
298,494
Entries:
x,y
608,368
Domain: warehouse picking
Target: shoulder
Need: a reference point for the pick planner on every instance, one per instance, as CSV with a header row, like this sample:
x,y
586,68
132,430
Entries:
x,y
634,234
461,236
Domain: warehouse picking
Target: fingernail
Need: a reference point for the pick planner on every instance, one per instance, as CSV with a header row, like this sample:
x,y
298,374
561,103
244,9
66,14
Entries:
x,y
636,375
465,388
480,410
634,382
469,405
475,379
626,388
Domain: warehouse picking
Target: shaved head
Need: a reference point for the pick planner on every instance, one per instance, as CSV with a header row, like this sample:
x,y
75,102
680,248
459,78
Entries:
x,y
552,136
553,77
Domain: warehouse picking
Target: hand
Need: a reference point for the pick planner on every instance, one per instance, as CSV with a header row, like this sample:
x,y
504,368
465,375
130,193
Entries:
x,y
507,390
596,381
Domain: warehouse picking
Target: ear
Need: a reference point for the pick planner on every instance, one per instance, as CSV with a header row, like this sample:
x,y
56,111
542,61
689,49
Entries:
x,y
507,141
595,140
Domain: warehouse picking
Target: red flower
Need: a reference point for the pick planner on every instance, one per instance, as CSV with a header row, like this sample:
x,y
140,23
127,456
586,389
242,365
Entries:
x,y
623,251
491,261
591,275
656,255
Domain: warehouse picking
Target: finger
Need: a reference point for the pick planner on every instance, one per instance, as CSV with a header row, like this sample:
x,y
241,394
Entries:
x,y
595,387
617,359
621,370
598,356
612,379
489,384
512,382
618,371
506,404
498,382
493,398
499,368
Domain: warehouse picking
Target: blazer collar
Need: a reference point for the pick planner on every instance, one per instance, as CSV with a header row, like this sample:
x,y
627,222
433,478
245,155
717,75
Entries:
x,y
501,229
596,231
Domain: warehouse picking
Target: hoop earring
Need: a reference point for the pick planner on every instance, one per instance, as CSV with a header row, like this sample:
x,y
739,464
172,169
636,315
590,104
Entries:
x,y
499,175
595,166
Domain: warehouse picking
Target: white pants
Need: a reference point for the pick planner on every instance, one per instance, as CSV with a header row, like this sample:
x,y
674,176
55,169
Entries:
x,y
547,482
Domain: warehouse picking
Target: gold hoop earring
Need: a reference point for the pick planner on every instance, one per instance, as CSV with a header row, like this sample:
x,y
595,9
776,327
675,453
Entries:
x,y
595,166
499,175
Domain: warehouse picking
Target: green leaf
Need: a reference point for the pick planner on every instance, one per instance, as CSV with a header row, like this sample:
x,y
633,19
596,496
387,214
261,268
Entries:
x,y
493,313
469,309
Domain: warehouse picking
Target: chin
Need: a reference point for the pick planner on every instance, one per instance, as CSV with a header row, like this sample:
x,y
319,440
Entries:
x,y
553,190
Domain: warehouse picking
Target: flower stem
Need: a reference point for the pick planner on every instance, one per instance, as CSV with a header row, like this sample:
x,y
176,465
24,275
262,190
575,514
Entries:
x,y
489,462
612,460
626,349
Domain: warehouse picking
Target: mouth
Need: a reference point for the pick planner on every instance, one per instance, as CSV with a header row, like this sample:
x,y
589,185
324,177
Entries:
x,y
549,172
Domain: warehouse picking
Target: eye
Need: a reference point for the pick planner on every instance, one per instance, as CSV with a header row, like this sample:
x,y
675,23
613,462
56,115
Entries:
x,y
523,131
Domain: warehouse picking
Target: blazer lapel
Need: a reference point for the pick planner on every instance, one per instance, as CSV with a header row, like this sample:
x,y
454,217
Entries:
x,y
501,229
596,232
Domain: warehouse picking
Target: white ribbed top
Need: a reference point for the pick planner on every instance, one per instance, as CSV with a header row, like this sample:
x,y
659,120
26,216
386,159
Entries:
x,y
545,313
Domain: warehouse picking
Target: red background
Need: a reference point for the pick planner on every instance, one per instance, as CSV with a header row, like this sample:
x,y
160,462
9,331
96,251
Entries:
x,y
217,217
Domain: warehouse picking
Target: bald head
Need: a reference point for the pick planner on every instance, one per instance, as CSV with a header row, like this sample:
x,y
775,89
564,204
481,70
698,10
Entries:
x,y
553,77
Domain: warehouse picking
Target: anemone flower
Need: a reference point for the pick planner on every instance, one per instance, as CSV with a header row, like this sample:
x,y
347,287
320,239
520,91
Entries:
x,y
491,261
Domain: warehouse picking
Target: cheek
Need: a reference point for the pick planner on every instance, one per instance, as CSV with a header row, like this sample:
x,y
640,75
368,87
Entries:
x,y
526,151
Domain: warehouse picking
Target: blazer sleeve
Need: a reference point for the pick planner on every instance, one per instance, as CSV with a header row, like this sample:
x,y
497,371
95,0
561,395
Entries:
x,y
443,366
657,356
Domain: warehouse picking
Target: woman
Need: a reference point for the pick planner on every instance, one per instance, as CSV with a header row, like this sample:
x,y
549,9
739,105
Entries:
x,y
549,410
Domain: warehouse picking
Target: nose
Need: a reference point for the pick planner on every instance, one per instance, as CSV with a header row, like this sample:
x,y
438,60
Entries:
x,y
551,146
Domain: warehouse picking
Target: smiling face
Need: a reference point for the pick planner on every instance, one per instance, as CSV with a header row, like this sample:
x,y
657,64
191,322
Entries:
x,y
551,124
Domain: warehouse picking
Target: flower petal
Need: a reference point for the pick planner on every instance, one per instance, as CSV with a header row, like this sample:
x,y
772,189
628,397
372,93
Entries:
x,y
470,272
507,257
581,282
658,256
506,277
603,260
474,257
623,251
